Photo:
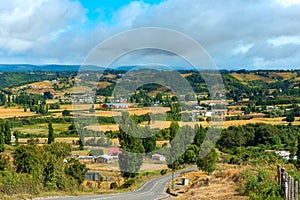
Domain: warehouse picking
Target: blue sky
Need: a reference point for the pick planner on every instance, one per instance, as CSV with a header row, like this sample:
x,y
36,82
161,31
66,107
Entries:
x,y
239,34
95,7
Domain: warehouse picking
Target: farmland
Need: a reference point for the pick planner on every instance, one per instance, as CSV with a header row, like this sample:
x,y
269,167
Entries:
x,y
262,115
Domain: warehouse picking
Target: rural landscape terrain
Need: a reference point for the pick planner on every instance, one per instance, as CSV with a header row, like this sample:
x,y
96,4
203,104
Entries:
x,y
47,150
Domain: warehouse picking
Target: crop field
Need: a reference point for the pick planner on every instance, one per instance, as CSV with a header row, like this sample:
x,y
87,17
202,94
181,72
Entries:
x,y
41,128
251,77
14,112
284,75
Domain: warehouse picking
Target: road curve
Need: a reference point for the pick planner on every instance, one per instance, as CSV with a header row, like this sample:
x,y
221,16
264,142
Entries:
x,y
153,189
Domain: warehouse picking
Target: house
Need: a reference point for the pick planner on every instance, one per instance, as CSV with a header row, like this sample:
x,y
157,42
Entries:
x,y
285,155
208,114
158,157
104,159
115,105
114,151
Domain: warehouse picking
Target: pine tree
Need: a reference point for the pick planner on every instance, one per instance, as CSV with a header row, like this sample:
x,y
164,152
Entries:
x,y
7,133
1,139
200,135
50,133
17,135
298,152
131,160
173,129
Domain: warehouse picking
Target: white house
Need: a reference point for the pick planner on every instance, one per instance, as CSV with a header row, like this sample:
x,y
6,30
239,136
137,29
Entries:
x,y
158,157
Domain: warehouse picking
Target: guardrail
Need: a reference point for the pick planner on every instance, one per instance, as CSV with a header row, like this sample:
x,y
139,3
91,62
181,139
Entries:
x,y
287,183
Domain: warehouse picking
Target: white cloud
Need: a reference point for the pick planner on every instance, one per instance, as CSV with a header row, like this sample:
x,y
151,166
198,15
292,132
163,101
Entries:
x,y
287,3
242,49
284,40
25,23
236,34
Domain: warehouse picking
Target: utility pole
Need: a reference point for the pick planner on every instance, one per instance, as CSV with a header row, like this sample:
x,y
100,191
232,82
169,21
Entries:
x,y
173,175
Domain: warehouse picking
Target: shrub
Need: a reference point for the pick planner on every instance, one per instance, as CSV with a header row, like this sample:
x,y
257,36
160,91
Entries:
x,y
113,185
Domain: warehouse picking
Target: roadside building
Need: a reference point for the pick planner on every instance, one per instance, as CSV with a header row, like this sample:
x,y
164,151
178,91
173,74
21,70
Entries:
x,y
158,157
105,158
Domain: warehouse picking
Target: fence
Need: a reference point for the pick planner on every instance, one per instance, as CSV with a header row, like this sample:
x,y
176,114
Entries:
x,y
288,184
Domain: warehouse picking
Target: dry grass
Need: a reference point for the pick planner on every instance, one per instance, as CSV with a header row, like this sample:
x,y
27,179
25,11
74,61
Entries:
x,y
14,112
222,185
251,77
103,128
284,75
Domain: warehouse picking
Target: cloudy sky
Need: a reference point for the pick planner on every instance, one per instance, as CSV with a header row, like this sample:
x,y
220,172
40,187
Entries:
x,y
251,34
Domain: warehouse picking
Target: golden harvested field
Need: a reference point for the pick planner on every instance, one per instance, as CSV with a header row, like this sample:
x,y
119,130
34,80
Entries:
x,y
251,77
284,75
113,127
186,75
14,112
273,121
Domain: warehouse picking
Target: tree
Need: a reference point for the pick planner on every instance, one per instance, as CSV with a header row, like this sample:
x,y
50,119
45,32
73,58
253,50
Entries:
x,y
200,135
95,152
149,142
7,133
290,117
208,163
66,113
59,149
1,141
189,157
50,133
76,170
173,129
298,151
131,160
48,95
29,159
17,136
4,162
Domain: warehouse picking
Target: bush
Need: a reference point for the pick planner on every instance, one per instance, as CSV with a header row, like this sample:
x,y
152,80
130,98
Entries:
x,y
259,184
163,172
113,185
128,183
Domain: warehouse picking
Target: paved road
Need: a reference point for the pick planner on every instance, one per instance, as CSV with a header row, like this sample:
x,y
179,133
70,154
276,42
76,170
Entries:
x,y
153,189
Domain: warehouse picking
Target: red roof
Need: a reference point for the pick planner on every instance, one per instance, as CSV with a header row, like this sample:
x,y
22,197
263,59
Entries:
x,y
114,151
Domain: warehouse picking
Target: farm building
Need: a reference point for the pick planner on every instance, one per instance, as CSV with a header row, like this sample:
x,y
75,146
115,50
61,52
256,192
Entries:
x,y
104,159
158,157
114,151
115,105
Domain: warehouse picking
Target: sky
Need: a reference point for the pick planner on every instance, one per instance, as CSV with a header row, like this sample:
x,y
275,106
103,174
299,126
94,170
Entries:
x,y
236,34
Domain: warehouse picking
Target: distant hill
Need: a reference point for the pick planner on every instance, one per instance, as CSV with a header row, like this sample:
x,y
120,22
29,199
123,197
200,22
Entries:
x,y
48,68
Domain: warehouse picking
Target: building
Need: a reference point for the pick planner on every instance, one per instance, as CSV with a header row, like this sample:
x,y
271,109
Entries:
x,y
85,157
92,176
115,105
158,157
285,155
114,151
104,159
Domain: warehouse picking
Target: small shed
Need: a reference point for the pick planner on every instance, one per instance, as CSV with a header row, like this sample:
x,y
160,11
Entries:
x,y
184,181
92,176
104,159
158,157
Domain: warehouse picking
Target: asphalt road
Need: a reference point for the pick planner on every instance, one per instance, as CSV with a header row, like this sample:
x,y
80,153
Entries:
x,y
153,189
